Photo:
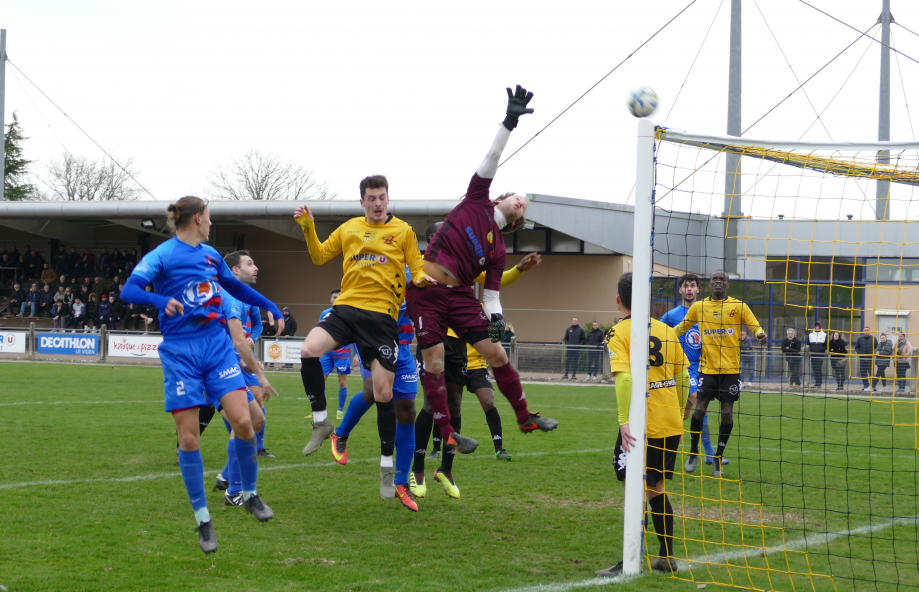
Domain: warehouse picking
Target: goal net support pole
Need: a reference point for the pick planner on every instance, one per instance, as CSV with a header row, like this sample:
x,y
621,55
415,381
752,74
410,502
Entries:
x,y
634,503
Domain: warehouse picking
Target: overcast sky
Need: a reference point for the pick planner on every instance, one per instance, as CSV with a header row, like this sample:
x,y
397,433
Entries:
x,y
415,90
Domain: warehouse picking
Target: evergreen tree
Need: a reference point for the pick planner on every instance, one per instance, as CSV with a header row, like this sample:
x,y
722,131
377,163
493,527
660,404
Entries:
x,y
15,167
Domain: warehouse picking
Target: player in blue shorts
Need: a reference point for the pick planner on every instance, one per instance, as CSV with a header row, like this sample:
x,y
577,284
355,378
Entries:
x,y
688,286
338,360
199,365
393,479
238,323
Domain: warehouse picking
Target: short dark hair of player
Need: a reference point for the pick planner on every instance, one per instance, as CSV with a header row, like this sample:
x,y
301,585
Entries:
x,y
373,182
516,224
625,290
431,230
335,291
181,212
233,259
687,277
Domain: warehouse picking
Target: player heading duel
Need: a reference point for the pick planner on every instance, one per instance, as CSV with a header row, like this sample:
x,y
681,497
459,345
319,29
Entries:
x,y
376,248
469,243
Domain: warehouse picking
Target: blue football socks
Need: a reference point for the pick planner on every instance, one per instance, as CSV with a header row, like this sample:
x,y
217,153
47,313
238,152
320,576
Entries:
x,y
247,454
192,467
342,397
405,450
260,436
356,410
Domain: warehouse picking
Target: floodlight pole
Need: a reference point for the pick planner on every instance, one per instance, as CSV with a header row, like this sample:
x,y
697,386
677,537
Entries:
x,y
732,185
642,247
3,110
882,198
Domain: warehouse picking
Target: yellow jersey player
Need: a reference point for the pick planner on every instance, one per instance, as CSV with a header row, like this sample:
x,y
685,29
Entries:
x,y
376,248
668,388
719,318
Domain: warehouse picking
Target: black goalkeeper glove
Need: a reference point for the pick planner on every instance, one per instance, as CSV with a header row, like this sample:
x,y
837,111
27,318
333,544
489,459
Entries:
x,y
516,106
497,327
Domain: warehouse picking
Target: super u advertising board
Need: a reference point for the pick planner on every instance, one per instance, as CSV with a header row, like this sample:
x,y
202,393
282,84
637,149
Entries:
x,y
13,342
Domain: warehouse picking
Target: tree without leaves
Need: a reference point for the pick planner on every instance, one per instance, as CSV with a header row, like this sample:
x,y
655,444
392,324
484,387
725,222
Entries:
x,y
15,167
78,178
258,176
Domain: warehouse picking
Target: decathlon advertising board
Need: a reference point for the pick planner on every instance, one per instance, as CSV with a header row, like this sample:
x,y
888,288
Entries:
x,y
281,352
13,342
72,344
134,346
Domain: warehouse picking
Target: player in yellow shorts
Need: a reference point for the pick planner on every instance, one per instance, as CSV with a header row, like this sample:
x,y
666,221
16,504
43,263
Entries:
x,y
719,318
668,403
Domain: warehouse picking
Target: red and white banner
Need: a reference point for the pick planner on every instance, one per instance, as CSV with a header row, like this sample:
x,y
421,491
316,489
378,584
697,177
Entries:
x,y
134,346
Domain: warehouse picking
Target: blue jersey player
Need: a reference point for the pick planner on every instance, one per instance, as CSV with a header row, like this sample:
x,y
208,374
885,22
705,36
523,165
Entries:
x,y
338,360
199,365
393,476
237,319
688,286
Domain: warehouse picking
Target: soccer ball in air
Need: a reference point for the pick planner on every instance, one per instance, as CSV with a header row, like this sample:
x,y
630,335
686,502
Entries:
x,y
642,102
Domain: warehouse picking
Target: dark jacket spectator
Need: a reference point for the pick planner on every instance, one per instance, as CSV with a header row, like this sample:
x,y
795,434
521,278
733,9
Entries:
x,y
130,260
865,345
59,261
595,337
31,301
884,349
17,297
98,287
73,260
508,334
574,338
36,264
20,274
838,347
60,315
27,260
131,316
290,323
6,274
103,262
105,311
791,347
574,335
84,293
839,359
92,310
87,263
117,265
45,300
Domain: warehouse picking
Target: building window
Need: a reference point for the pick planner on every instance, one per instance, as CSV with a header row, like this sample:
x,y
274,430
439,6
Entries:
x,y
892,270
562,243
528,241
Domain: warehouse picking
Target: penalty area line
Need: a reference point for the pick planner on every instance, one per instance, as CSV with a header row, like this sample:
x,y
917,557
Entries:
x,y
721,558
265,469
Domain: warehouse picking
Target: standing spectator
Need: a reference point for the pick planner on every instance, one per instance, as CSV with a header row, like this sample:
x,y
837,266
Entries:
x,y
103,262
290,323
92,312
904,352
60,315
882,360
816,341
117,264
45,301
59,261
791,347
87,263
574,339
508,334
747,357
17,298
20,274
36,264
864,349
130,261
14,253
6,274
73,261
78,315
27,260
98,287
31,301
131,316
839,359
47,275
595,343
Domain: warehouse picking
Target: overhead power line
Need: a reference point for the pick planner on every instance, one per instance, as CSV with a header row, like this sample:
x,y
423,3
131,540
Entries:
x,y
99,146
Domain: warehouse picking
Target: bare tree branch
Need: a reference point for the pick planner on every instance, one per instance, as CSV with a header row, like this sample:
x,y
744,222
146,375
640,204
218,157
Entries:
x,y
77,178
258,176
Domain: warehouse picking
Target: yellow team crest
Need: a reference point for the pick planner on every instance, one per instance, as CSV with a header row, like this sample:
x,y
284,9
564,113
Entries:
x,y
369,236
490,236
716,314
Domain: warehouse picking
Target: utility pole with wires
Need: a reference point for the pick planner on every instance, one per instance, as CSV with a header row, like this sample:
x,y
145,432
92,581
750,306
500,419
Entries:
x,y
882,198
3,109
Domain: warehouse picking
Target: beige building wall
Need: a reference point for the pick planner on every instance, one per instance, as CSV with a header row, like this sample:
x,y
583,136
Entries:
x,y
893,297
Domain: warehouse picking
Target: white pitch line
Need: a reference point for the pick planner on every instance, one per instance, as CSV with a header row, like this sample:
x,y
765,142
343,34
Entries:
x,y
804,542
74,403
263,468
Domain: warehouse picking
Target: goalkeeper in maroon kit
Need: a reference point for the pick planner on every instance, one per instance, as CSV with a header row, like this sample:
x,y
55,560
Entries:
x,y
468,243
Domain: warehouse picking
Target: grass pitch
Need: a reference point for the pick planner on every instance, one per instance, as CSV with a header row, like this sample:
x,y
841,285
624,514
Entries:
x,y
92,498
